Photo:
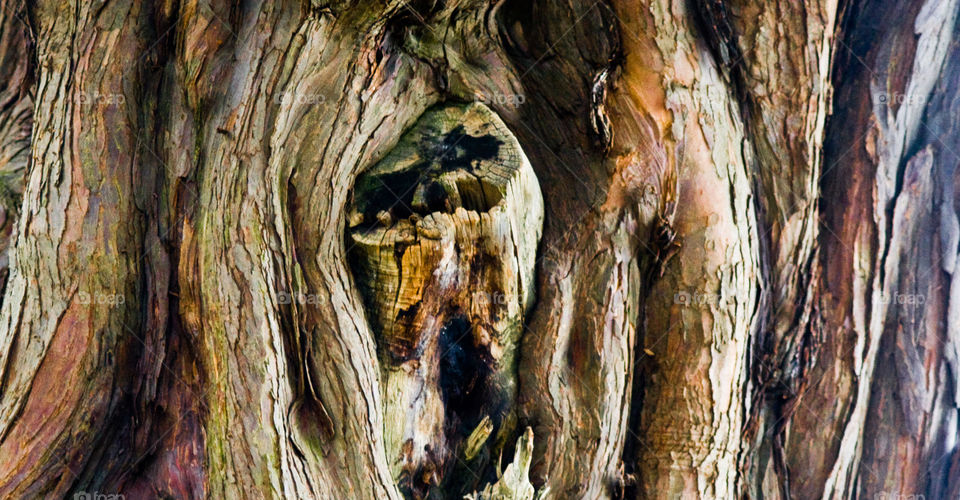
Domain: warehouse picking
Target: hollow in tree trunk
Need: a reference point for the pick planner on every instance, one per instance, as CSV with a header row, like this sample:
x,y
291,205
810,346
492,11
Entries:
x,y
502,249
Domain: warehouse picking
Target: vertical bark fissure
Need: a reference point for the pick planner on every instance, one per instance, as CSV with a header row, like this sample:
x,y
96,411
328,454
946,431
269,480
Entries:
x,y
16,123
777,59
73,290
875,196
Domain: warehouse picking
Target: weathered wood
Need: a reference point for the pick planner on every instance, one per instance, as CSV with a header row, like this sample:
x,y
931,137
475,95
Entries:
x,y
777,60
514,484
16,120
72,296
715,307
443,238
881,380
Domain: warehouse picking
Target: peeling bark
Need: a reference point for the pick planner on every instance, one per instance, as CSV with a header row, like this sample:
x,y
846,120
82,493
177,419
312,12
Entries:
x,y
880,256
694,248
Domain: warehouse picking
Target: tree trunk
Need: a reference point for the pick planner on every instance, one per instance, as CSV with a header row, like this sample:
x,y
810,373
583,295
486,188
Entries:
x,y
503,250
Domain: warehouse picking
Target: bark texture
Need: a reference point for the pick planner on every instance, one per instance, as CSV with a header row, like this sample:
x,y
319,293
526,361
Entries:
x,y
324,249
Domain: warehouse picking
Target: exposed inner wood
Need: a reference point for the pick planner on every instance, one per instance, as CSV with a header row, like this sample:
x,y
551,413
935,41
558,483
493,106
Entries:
x,y
442,239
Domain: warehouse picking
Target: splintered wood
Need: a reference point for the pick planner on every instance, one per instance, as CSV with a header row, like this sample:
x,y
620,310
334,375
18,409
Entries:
x,y
443,237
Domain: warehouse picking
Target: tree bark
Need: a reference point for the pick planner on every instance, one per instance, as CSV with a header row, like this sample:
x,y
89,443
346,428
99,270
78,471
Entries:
x,y
621,249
